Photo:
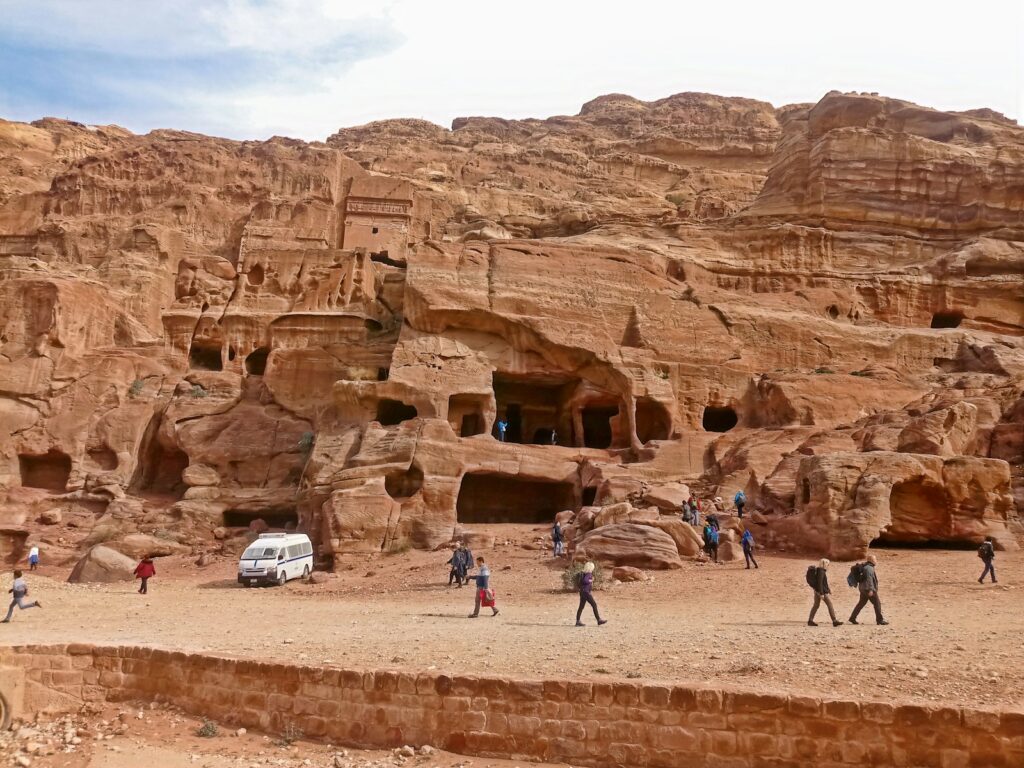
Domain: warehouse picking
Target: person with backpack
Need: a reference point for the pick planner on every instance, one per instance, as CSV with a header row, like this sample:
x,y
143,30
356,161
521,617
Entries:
x,y
558,539
586,588
18,592
987,553
740,500
484,593
145,570
817,579
866,580
711,541
747,542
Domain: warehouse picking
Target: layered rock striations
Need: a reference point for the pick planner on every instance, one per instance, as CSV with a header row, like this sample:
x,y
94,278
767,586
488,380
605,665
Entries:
x,y
820,305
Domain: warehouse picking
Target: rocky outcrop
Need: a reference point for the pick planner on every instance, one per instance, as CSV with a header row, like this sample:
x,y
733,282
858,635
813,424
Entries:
x,y
640,546
102,565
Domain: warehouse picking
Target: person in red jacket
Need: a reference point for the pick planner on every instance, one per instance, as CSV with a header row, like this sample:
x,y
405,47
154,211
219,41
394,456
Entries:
x,y
145,570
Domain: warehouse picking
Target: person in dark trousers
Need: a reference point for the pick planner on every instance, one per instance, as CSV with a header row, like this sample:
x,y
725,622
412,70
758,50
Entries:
x,y
33,558
453,573
711,541
869,592
145,570
484,593
740,500
502,428
557,539
461,561
713,521
586,595
18,592
748,548
822,594
987,553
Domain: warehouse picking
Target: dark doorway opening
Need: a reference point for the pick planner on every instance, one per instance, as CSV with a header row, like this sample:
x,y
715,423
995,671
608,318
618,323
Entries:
x,y
49,471
805,491
403,485
833,312
382,374
472,424
533,402
589,496
545,436
514,419
489,498
719,418
882,543
597,426
204,358
465,414
947,319
256,362
255,275
391,412
652,420
160,467
283,518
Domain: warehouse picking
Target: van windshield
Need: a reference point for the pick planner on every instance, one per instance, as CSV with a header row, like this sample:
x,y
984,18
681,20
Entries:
x,y
259,553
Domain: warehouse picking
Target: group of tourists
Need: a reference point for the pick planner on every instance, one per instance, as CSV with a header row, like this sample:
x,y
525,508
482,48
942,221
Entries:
x,y
460,561
862,576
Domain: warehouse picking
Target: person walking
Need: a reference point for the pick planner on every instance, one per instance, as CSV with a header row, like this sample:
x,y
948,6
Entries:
x,y
33,558
453,571
557,539
18,592
711,541
747,543
484,593
817,578
740,500
586,583
868,586
145,570
987,553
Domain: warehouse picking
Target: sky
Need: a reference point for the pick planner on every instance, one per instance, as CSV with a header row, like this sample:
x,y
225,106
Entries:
x,y
251,69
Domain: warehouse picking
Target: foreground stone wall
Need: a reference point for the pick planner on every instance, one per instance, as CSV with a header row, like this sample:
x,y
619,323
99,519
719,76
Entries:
x,y
584,722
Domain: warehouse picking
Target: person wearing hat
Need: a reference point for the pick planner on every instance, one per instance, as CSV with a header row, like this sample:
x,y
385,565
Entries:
x,y
822,594
586,583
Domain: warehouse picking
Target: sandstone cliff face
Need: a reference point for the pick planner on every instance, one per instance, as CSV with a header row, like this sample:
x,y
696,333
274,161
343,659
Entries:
x,y
197,334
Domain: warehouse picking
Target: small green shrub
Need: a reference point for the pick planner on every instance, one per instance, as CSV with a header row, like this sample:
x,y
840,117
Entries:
x,y
399,547
860,373
570,574
198,391
824,370
290,735
136,388
306,442
207,730
633,674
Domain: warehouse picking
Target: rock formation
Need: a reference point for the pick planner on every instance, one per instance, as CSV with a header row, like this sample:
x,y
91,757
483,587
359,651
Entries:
x,y
820,304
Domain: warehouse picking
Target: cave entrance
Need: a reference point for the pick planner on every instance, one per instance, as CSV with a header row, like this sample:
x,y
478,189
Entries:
x,y
392,412
919,516
533,405
719,418
284,518
589,496
465,414
491,498
205,357
256,361
404,485
652,420
947,319
597,426
160,467
49,471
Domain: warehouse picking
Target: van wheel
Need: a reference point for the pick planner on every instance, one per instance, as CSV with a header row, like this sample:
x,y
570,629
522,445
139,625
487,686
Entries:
x,y
282,578
305,572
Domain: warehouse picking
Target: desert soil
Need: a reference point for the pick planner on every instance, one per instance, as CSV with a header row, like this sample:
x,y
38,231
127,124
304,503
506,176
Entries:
x,y
950,639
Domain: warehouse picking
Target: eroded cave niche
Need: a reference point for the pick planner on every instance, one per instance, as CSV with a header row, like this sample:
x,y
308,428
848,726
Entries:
x,y
652,420
947,319
597,425
256,361
49,471
466,414
719,418
919,514
392,412
160,467
404,485
281,518
493,498
205,357
534,406
103,457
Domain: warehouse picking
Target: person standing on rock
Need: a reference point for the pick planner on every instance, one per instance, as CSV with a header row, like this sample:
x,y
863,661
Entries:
x,y
558,539
18,592
502,427
817,578
868,585
586,583
33,558
484,593
987,553
145,570
740,500
748,548
711,541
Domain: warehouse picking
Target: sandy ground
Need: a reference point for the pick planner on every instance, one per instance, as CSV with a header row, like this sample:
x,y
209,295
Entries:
x,y
950,639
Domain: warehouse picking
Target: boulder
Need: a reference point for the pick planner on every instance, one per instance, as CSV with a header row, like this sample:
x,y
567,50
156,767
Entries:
x,y
668,497
138,545
640,546
51,517
628,573
687,539
623,512
102,565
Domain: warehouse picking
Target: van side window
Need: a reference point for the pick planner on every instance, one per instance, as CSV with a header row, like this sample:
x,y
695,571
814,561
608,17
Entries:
x,y
290,552
307,548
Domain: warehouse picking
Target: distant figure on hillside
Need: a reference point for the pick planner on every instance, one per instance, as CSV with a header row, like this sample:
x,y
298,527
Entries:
x,y
740,500
484,593
713,522
502,427
558,539
867,582
748,548
18,592
145,570
711,541
586,586
554,437
33,558
817,579
987,553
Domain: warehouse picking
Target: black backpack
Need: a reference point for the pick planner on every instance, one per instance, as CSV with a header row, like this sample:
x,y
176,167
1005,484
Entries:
x,y
812,576
856,574
986,551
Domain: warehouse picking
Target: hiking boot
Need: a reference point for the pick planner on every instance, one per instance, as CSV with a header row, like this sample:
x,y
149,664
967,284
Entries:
x,y
38,604
853,621
882,622
496,612
472,615
837,623
580,624
601,621
812,623
981,581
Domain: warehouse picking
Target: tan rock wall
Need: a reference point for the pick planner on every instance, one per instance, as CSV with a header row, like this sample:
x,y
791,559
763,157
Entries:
x,y
583,722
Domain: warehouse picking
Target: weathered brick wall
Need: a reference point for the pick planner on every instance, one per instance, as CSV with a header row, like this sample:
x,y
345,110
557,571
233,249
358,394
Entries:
x,y
583,722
